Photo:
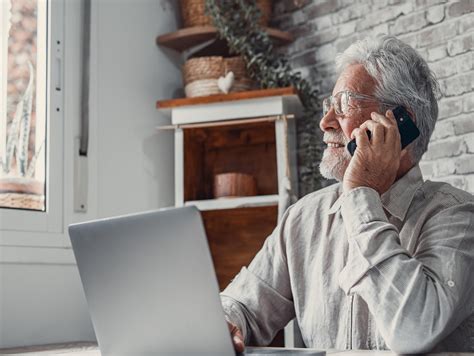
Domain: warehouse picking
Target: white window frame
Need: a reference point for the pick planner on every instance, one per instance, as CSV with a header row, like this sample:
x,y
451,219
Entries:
x,y
50,220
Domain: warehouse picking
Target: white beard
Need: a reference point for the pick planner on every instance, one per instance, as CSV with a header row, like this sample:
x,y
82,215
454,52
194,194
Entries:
x,y
334,165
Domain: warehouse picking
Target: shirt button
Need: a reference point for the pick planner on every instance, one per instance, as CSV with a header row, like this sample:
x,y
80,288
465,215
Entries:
x,y
451,283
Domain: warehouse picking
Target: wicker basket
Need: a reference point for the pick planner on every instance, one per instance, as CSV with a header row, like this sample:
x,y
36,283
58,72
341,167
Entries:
x,y
201,75
22,193
22,201
193,12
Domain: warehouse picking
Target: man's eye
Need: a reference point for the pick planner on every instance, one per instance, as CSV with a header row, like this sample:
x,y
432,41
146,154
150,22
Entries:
x,y
351,102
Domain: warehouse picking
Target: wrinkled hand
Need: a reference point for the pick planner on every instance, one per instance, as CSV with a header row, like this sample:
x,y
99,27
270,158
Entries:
x,y
237,337
376,161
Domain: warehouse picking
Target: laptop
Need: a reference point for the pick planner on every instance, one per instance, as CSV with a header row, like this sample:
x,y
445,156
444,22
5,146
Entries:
x,y
151,288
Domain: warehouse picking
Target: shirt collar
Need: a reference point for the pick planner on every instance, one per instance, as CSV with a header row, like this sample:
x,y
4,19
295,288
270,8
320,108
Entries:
x,y
398,198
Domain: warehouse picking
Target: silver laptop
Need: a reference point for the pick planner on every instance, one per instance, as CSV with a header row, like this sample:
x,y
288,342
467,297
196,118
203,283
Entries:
x,y
151,288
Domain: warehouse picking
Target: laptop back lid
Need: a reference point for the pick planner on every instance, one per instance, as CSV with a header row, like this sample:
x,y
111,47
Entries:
x,y
150,284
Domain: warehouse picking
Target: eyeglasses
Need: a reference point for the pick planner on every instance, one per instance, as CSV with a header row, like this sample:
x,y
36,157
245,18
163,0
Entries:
x,y
343,101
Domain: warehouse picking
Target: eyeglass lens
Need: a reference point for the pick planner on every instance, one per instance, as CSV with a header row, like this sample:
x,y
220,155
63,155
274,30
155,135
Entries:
x,y
338,102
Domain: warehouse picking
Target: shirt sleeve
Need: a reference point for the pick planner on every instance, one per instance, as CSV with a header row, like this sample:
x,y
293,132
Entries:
x,y
259,299
416,300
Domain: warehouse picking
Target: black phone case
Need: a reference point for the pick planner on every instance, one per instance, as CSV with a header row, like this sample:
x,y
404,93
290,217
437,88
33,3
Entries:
x,y
408,130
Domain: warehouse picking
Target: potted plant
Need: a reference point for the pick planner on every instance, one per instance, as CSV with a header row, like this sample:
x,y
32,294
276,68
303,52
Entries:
x,y
18,187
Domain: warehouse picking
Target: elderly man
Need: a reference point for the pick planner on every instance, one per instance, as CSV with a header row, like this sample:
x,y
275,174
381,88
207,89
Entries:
x,y
383,259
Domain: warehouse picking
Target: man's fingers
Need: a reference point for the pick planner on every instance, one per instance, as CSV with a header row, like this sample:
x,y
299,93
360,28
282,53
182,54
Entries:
x,y
237,337
360,135
387,122
238,341
376,129
393,134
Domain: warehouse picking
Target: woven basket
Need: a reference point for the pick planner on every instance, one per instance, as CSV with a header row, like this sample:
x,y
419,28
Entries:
x,y
22,201
201,74
22,193
193,12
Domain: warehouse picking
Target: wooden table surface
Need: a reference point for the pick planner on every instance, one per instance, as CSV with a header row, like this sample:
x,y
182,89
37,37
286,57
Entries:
x,y
89,349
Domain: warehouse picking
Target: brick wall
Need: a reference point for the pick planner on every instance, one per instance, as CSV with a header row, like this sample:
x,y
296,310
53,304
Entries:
x,y
441,31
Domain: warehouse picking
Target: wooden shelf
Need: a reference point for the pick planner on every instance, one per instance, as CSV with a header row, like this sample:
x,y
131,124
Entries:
x,y
217,98
232,203
245,148
190,37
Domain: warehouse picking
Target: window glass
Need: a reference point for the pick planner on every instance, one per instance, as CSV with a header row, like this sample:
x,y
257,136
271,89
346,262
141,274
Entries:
x,y
23,29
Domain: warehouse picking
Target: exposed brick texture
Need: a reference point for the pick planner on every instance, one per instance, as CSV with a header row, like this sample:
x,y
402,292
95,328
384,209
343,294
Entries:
x,y
443,33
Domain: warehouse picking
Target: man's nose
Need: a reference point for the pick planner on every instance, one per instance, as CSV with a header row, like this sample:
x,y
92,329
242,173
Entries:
x,y
329,121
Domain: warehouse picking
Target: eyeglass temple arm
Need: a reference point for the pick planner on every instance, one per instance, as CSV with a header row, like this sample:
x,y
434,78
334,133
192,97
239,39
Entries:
x,y
370,97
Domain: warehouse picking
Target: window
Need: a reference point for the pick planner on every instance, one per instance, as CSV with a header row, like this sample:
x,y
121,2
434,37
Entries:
x,y
31,114
23,118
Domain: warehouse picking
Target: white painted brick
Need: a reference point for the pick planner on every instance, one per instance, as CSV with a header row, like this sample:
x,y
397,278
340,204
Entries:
x,y
381,29
435,14
463,124
466,23
409,23
469,185
410,39
465,164
449,107
378,4
469,140
446,67
437,53
458,84
323,22
437,34
299,17
347,28
456,181
407,7
427,169
442,130
424,3
350,13
461,44
468,103
459,7
445,167
373,18
326,53
465,62
450,147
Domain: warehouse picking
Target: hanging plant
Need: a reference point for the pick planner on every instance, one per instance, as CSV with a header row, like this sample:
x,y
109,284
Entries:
x,y
238,22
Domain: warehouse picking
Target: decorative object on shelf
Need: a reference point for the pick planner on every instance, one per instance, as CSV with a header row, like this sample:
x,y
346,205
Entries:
x,y
18,188
230,185
201,75
237,21
225,83
194,14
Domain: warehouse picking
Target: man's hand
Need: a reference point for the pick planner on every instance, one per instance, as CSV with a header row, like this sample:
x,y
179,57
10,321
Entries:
x,y
376,161
237,337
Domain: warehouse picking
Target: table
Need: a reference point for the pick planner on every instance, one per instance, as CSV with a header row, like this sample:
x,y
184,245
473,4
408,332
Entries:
x,y
90,349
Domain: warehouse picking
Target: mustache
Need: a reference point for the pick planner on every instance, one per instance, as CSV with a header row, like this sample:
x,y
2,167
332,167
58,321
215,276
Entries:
x,y
336,136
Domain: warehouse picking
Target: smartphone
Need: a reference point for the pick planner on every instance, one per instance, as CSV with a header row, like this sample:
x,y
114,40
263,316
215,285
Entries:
x,y
408,130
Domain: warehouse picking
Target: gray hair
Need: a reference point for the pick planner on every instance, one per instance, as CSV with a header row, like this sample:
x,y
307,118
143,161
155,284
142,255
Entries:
x,y
403,78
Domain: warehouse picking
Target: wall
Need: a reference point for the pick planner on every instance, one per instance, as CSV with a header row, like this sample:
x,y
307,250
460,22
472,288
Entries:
x,y
443,33
130,165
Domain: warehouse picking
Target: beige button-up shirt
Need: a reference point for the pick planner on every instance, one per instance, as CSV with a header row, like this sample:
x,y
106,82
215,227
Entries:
x,y
360,271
